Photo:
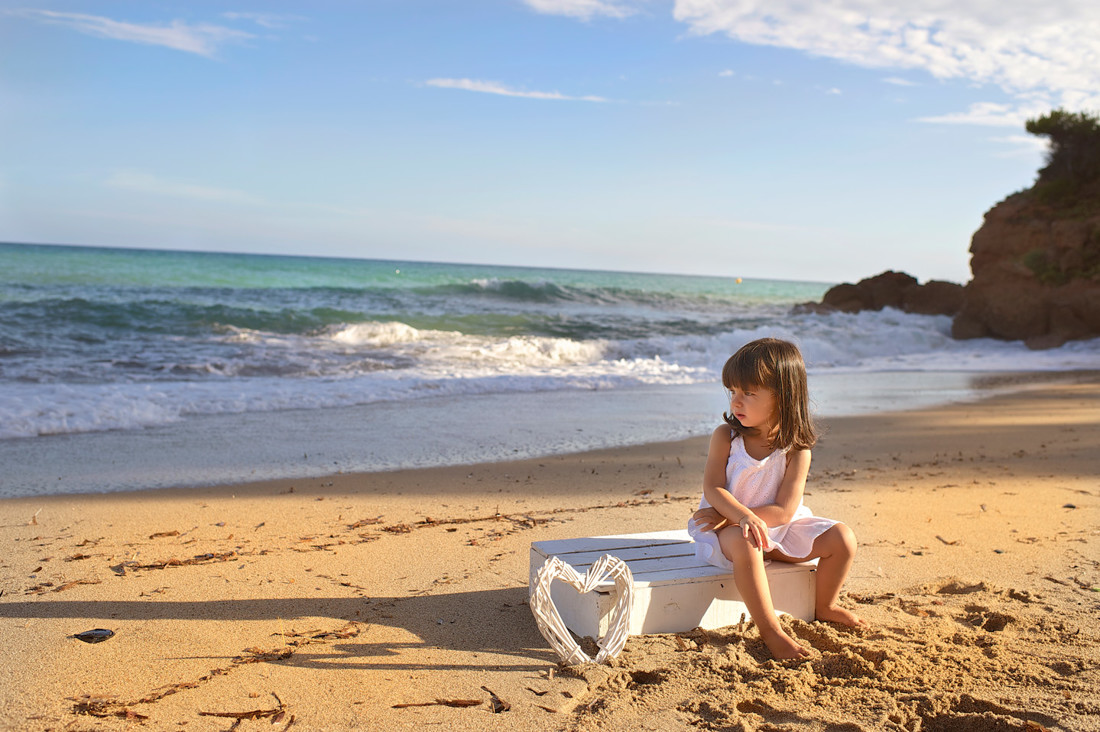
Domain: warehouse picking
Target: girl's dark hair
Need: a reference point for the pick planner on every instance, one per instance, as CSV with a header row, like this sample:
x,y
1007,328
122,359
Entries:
x,y
776,365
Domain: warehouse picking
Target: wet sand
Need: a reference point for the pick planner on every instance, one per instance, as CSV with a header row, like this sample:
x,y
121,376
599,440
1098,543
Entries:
x,y
398,600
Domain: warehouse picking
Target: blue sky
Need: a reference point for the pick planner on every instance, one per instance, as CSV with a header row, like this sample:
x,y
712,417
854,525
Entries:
x,y
757,138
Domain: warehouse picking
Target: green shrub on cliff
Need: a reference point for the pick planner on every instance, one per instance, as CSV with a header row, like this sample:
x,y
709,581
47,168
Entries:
x,y
1044,270
1068,188
1069,185
1074,145
1084,263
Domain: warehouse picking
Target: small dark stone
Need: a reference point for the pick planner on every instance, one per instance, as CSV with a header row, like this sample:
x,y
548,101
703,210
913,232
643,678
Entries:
x,y
98,635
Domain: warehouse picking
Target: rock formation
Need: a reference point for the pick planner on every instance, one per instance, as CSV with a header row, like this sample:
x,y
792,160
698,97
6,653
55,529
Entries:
x,y
895,290
1035,273
1035,262
1035,276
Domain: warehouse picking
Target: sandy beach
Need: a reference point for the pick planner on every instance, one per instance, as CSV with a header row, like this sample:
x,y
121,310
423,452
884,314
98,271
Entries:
x,y
398,600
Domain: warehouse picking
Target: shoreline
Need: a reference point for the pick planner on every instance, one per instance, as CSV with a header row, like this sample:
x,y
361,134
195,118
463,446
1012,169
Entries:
x,y
331,600
238,449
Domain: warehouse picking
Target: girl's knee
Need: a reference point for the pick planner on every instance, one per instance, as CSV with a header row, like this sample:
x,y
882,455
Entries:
x,y
845,539
734,544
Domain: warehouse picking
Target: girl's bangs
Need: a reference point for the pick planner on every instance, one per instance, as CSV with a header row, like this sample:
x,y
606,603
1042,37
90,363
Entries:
x,y
747,371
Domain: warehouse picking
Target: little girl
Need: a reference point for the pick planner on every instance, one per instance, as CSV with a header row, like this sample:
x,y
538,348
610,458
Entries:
x,y
752,507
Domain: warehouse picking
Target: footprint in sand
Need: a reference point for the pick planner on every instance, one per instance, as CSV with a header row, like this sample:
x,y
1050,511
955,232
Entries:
x,y
982,617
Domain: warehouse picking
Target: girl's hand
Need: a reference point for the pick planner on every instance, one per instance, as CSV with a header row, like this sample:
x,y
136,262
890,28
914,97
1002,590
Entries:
x,y
755,530
707,519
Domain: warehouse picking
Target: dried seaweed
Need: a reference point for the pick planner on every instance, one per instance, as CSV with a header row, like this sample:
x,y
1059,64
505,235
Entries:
x,y
365,522
499,705
104,706
120,569
109,706
162,534
49,587
398,529
441,703
351,630
530,519
276,714
259,655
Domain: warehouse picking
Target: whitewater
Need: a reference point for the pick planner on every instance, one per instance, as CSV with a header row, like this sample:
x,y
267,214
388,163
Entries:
x,y
129,344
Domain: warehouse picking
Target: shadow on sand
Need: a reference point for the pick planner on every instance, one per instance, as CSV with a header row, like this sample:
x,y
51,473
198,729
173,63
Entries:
x,y
493,622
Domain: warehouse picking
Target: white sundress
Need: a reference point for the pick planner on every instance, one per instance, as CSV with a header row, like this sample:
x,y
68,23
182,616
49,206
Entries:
x,y
755,483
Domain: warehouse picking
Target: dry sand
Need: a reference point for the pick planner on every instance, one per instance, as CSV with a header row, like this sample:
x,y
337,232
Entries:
x,y
324,604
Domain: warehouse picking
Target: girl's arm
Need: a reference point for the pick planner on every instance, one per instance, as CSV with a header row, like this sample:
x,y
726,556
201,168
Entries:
x,y
714,477
789,495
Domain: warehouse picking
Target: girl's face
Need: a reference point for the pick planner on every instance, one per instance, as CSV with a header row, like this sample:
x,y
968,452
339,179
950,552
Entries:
x,y
754,406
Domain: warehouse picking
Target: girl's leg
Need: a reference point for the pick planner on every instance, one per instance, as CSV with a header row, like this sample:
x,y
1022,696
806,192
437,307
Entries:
x,y
752,583
835,550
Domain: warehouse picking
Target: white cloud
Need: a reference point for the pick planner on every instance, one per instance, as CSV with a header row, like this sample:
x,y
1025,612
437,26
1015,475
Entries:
x,y
727,72
493,87
131,180
896,81
583,9
202,39
271,21
1023,47
991,114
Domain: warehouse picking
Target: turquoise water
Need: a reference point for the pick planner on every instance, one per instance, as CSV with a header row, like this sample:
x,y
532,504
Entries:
x,y
124,268
94,339
201,367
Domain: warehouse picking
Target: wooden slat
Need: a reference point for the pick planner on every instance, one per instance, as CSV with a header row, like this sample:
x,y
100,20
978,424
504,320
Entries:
x,y
629,554
657,577
684,562
605,544
708,573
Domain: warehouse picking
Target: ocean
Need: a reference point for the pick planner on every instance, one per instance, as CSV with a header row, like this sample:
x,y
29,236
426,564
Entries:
x,y
122,368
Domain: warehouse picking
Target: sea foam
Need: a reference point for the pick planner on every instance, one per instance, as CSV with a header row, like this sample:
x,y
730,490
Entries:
x,y
97,340
391,361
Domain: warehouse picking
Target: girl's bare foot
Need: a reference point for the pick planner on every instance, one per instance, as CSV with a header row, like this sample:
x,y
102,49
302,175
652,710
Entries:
x,y
837,614
782,646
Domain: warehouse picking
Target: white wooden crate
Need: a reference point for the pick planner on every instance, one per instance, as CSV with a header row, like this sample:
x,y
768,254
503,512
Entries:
x,y
673,591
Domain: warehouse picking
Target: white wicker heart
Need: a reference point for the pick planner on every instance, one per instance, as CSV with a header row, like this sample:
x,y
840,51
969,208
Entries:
x,y
549,619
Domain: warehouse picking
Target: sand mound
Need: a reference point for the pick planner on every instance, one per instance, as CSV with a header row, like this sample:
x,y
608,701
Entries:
x,y
955,655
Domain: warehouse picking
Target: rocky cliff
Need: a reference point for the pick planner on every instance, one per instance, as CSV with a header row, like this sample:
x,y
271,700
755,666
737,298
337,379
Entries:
x,y
1035,272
